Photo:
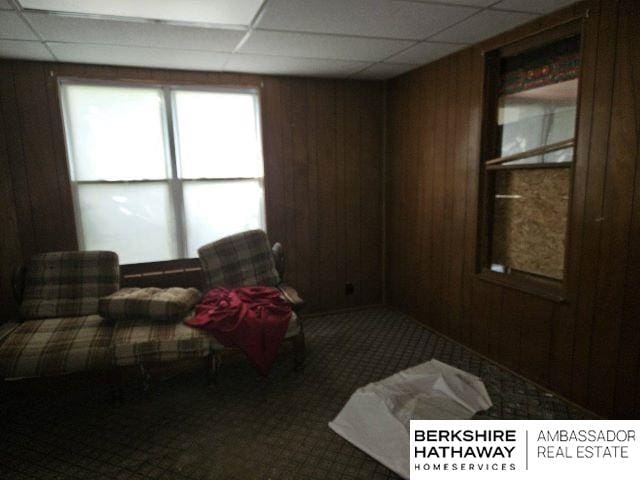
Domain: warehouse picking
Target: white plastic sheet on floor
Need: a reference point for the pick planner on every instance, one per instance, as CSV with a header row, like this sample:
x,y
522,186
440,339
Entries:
x,y
376,417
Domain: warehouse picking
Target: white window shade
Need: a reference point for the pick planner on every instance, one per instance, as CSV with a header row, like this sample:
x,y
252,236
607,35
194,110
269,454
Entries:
x,y
150,197
217,134
115,133
216,209
134,220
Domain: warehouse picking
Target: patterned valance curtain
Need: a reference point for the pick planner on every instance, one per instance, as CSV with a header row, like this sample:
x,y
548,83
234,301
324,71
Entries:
x,y
557,62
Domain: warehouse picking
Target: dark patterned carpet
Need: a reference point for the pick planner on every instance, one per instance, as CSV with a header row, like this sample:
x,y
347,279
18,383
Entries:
x,y
242,428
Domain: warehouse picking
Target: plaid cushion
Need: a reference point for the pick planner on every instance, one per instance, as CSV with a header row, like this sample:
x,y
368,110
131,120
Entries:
x,y
158,304
56,346
65,284
141,340
242,259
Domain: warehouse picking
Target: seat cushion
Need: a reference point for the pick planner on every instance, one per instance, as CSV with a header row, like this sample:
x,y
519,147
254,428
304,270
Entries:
x,y
157,304
56,346
240,260
143,340
67,284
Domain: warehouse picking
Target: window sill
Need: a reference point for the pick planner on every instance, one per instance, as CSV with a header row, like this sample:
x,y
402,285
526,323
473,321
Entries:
x,y
547,289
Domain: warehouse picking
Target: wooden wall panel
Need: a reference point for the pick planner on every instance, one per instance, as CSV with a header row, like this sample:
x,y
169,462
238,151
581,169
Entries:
x,y
585,348
10,253
371,195
591,158
323,172
617,315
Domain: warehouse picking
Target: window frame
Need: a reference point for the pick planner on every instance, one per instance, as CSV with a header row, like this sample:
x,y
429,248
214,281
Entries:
x,y
169,128
490,164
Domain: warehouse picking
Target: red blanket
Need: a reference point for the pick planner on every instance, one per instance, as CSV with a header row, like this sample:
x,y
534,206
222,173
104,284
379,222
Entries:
x,y
254,319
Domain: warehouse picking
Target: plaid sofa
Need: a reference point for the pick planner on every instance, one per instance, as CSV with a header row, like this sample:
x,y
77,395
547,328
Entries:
x,y
63,333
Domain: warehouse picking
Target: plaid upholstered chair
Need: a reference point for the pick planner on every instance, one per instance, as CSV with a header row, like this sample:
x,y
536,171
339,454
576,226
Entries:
x,y
247,259
61,331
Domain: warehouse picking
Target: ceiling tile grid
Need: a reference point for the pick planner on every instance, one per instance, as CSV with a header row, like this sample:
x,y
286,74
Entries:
x,y
108,32
321,46
383,71
138,56
277,65
425,52
485,24
13,27
215,12
25,50
533,6
379,18
368,39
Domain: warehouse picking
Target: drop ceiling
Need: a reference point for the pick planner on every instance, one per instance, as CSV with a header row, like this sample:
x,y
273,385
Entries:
x,y
368,39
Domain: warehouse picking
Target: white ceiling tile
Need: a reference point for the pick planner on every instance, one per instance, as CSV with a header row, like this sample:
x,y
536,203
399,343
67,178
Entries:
x,y
533,6
230,12
425,52
5,5
382,71
13,27
379,18
321,46
292,66
486,24
26,50
138,56
83,30
468,3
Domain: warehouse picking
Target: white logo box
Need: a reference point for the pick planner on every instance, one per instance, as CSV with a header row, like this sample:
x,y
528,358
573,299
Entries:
x,y
524,449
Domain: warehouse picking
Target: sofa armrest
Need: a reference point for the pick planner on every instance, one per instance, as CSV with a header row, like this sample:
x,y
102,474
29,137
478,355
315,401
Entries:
x,y
291,295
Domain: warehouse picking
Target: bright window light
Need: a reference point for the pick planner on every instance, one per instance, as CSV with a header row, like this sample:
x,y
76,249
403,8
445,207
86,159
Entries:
x,y
150,197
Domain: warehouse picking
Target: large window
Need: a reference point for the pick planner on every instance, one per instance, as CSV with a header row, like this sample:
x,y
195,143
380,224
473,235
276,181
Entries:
x,y
159,171
529,148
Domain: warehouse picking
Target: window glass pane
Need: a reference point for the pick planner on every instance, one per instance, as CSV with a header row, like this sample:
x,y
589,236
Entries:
x,y
529,221
217,134
537,98
537,117
134,220
115,133
216,209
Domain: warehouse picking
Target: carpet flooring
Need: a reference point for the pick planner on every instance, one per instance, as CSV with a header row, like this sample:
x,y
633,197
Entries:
x,y
243,427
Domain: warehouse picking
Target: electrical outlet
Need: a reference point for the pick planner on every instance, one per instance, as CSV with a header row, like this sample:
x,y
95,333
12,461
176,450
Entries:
x,y
348,289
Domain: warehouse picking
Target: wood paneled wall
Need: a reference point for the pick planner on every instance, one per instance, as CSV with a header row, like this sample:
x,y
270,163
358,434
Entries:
x,y
323,173
588,347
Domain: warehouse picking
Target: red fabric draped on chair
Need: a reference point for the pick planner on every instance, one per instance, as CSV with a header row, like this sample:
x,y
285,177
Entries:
x,y
254,319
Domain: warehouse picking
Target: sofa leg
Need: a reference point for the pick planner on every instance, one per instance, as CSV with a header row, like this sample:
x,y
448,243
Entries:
x,y
299,351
